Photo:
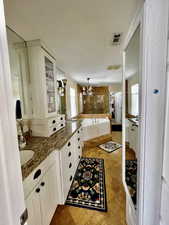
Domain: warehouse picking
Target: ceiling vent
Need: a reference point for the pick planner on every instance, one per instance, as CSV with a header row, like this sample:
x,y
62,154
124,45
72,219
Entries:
x,y
116,38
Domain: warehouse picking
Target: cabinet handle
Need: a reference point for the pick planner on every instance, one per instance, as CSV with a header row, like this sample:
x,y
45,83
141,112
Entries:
x,y
69,144
70,178
78,139
69,154
78,132
79,157
37,190
78,147
54,129
132,129
61,118
54,121
70,165
37,174
62,125
42,184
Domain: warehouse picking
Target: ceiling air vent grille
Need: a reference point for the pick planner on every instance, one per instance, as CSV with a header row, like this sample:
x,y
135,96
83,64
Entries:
x,y
116,38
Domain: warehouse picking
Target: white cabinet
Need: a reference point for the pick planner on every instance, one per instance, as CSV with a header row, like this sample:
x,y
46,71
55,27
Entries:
x,y
34,210
133,137
49,184
43,80
43,200
130,211
48,195
70,156
48,126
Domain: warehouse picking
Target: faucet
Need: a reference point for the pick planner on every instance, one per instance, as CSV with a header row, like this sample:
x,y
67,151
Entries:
x,y
21,138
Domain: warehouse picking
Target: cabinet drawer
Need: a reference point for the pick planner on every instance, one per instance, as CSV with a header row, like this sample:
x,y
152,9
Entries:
x,y
61,118
33,179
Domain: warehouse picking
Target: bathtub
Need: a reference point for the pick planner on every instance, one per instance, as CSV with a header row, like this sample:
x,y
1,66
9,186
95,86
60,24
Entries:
x,y
95,127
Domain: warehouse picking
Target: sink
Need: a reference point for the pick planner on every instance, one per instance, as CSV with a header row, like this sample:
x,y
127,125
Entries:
x,y
25,156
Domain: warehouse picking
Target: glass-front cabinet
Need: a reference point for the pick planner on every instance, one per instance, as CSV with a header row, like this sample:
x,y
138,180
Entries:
x,y
43,80
50,85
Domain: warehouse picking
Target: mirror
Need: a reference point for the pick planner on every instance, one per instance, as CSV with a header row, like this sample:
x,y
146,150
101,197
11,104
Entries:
x,y
132,55
18,59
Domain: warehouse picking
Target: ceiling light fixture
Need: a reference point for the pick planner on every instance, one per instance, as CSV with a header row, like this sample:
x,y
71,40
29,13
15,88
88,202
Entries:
x,y
87,90
61,87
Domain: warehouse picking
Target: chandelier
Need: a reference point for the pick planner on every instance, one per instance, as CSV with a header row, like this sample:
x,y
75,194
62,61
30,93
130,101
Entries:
x,y
87,90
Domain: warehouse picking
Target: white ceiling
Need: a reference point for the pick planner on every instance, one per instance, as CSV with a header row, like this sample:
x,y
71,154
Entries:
x,y
79,32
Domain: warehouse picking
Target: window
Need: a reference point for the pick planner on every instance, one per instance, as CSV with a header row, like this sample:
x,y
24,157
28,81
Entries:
x,y
73,111
135,99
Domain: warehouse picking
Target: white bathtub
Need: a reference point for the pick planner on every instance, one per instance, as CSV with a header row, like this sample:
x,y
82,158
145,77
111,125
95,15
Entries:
x,y
95,127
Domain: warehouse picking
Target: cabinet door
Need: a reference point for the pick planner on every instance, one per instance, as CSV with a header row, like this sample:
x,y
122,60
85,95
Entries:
x,y
49,195
33,207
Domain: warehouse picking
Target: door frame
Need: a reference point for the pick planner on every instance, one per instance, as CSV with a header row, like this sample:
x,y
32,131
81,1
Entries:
x,y
154,17
11,189
137,22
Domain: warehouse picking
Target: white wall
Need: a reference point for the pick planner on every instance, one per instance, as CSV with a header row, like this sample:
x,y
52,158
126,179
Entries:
x,y
116,87
131,81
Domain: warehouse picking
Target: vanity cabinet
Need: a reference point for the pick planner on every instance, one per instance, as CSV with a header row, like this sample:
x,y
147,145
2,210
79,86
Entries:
x,y
48,126
130,211
133,137
70,156
42,201
42,193
48,185
42,80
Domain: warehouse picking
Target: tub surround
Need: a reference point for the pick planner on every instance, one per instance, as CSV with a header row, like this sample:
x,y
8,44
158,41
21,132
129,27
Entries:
x,y
43,146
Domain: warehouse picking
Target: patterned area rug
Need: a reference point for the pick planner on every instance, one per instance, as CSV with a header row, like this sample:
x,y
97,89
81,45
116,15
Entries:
x,y
110,146
88,187
131,179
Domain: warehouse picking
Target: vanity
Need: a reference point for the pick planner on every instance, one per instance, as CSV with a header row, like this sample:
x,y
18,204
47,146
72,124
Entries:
x,y
132,134
50,156
47,177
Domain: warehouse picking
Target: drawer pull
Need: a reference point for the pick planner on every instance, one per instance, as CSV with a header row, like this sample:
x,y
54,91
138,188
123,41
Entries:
x,y
42,184
78,147
37,190
69,144
78,139
70,165
37,174
69,154
78,132
71,178
54,121
62,125
79,157
61,118
54,129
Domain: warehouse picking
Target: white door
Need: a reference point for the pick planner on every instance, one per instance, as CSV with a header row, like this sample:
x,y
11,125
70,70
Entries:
x,y
165,182
11,190
48,195
33,207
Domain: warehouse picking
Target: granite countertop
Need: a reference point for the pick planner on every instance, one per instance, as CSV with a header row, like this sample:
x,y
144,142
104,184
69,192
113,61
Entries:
x,y
134,121
43,146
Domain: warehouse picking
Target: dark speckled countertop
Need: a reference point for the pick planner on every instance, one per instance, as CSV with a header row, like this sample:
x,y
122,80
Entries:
x,y
43,146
